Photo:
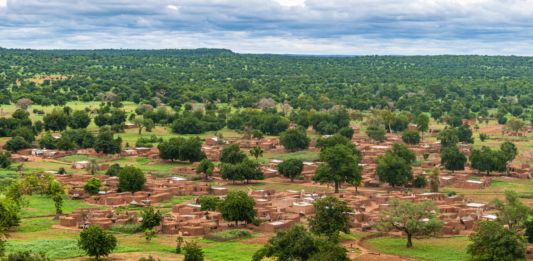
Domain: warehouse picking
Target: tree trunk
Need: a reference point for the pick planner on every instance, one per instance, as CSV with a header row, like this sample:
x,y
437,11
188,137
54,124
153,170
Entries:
x,y
336,187
236,223
409,243
390,130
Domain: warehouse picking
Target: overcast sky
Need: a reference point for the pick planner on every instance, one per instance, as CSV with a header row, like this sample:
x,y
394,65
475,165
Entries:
x,y
357,27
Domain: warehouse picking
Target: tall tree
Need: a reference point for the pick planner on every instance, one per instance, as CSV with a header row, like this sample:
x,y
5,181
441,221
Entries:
x,y
407,217
447,138
191,150
422,122
393,169
510,151
341,166
231,154
106,143
515,124
237,207
388,117
452,159
492,241
96,242
131,179
330,217
55,121
488,160
291,168
294,139
411,137
256,152
79,120
512,212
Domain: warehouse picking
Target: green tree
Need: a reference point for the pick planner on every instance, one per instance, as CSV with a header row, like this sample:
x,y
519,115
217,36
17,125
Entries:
x,y
5,159
257,134
256,152
245,170
65,144
492,241
55,121
130,179
408,217
179,241
515,124
512,211
420,182
330,217
341,166
464,134
488,160
404,152
191,150
231,154
388,117
422,122
411,137
435,112
346,132
96,242
324,143
193,252
92,186
58,201
205,166
170,150
295,139
452,159
209,203
24,132
448,138
510,151
15,144
238,207
9,209
113,170
149,234
376,132
483,136
47,141
291,168
79,120
393,169
151,218
106,143
148,124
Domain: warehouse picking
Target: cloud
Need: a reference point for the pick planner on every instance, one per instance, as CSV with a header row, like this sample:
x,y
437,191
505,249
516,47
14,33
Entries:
x,y
274,26
3,3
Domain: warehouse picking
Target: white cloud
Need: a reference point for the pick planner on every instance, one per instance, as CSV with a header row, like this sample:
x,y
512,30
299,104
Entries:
x,y
291,2
3,3
173,7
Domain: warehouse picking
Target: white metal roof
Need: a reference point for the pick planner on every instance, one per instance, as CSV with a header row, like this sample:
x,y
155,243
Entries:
x,y
475,205
475,181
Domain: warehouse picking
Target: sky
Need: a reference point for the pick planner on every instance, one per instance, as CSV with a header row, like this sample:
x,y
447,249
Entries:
x,y
326,27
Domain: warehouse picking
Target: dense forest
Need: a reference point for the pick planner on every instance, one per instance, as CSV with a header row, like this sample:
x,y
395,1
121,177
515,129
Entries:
x,y
457,86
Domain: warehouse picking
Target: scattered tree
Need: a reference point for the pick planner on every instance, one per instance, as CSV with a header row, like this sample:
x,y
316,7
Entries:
x,y
411,137
256,152
291,168
492,241
96,242
151,218
295,139
209,202
452,159
330,217
341,166
193,252
131,179
237,207
92,186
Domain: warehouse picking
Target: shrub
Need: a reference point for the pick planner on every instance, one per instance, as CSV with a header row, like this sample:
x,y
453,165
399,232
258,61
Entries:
x,y
26,256
451,193
96,242
257,222
193,252
129,228
420,182
234,232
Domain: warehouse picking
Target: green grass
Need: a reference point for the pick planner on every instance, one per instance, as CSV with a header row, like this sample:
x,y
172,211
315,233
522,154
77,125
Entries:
x,y
300,155
44,205
231,233
230,251
80,158
438,249
128,229
9,174
56,248
178,200
36,224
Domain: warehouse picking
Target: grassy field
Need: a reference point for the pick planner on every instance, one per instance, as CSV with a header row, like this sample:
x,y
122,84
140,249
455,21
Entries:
x,y
44,205
437,249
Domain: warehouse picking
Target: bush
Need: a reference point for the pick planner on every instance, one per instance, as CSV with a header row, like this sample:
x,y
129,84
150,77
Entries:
x,y
128,228
451,193
257,222
27,256
193,252
420,182
235,232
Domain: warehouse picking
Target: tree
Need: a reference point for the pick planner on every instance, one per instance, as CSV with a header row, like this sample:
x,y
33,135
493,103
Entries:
x,y
423,123
257,134
151,218
420,182
376,132
494,242
411,137
291,168
425,155
308,247
515,124
144,123
79,120
453,159
435,112
17,143
96,242
388,117
179,241
512,212
93,166
403,152
256,152
483,136
295,139
237,207
510,151
24,132
209,203
113,170
92,186
408,217
191,150
65,144
341,166
149,234
393,169
488,160
170,150
324,143
5,159
447,138
231,154
9,209
205,166
330,217
245,170
24,103
130,179
55,121
464,134
106,143
346,132
193,252
47,141
58,200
